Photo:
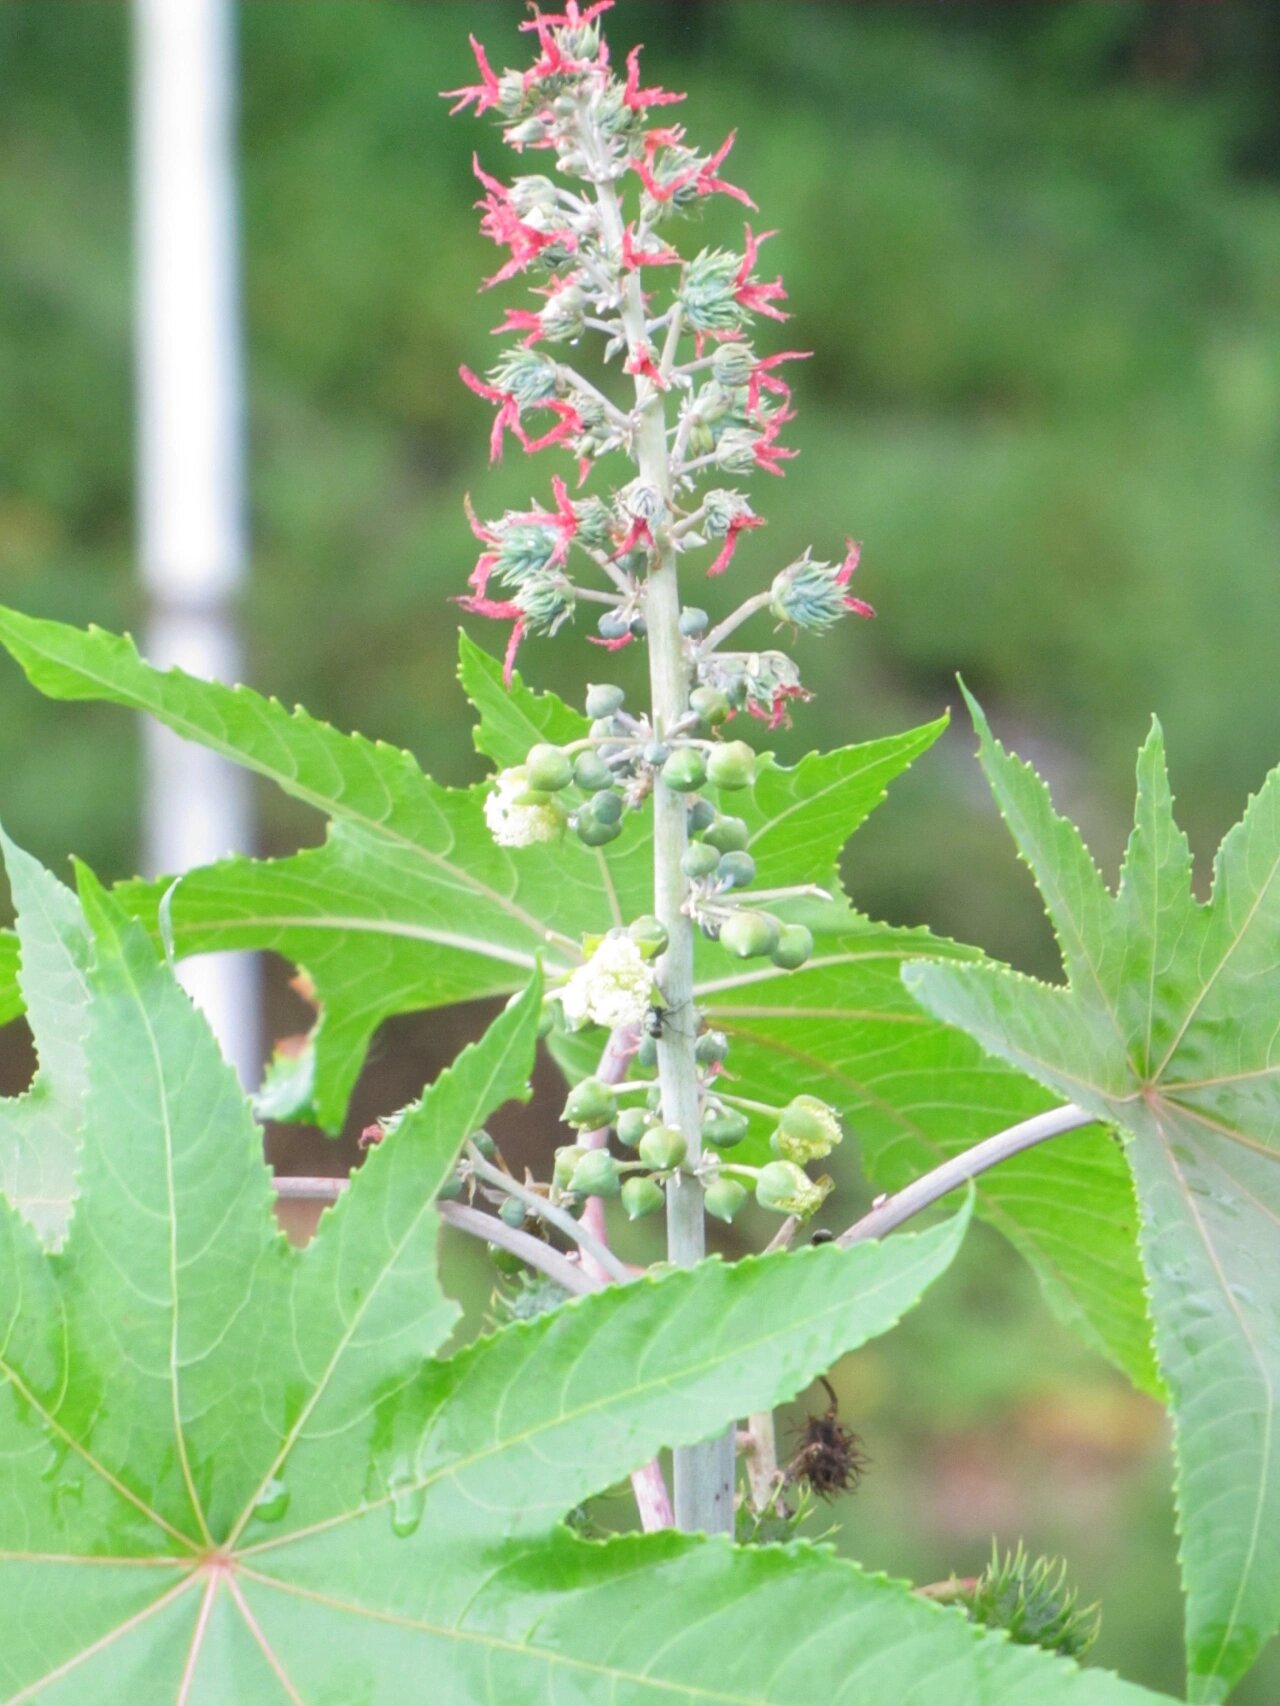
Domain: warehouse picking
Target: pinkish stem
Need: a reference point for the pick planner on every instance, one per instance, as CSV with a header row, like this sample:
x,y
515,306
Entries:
x,y
649,1485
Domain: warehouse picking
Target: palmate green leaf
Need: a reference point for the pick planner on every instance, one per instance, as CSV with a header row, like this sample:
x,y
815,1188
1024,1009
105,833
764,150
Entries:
x,y
11,1002
409,905
229,1470
39,1131
1170,1027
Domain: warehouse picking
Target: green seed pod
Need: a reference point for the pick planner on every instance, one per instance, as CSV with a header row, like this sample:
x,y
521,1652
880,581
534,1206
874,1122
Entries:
x,y
596,1175
647,1053
732,765
506,1261
548,767
641,1196
723,1127
807,1130
451,1189
606,806
699,860
663,1147
632,1123
590,1105
795,944
593,833
513,1211
701,815
604,698
723,1198
746,934
649,934
591,773
685,771
736,870
710,704
693,621
566,1159
711,1048
728,834
485,1144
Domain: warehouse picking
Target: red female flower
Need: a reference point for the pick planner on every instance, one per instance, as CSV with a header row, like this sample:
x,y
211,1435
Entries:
x,y
502,223
522,320
853,552
739,524
700,174
500,610
762,378
633,257
635,97
484,93
754,297
507,418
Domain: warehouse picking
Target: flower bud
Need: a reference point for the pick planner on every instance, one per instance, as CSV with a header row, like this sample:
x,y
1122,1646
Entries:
x,y
631,1125
748,934
735,870
711,1048
641,1196
451,1189
512,1211
785,1189
649,934
723,1127
567,1158
709,704
723,1198
592,832
693,621
728,834
613,626
699,860
591,773
702,815
590,1105
663,1147
605,807
604,699
596,1175
795,945
732,765
685,770
807,1130
548,767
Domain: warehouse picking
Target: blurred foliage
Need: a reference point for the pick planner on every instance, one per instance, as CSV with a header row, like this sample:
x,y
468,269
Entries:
x,y
1036,250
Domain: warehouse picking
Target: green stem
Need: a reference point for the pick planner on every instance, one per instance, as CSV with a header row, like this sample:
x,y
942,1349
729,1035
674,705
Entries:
x,y
704,1474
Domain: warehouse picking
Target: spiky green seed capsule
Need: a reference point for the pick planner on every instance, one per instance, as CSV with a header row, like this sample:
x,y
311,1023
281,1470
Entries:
x,y
747,934
590,1105
591,773
732,765
795,945
728,834
663,1147
632,1124
649,934
604,699
736,870
724,1197
596,1175
723,1127
699,860
685,770
566,1159
641,1196
549,768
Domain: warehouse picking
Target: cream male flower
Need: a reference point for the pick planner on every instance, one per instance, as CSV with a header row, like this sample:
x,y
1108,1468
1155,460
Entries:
x,y
517,818
613,988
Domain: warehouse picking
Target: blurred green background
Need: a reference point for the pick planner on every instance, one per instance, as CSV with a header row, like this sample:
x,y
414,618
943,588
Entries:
x,y
1037,249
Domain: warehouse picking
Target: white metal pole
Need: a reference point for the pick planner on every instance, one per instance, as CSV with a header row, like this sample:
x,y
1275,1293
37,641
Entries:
x,y
189,439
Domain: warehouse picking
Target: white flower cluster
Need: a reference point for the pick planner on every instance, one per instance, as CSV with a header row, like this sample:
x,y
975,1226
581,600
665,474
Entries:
x,y
514,819
614,987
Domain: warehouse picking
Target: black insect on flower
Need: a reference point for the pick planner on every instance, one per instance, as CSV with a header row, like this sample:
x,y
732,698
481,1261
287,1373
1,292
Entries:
x,y
829,1457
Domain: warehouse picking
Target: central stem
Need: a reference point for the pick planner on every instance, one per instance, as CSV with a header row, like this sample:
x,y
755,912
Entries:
x,y
704,1474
